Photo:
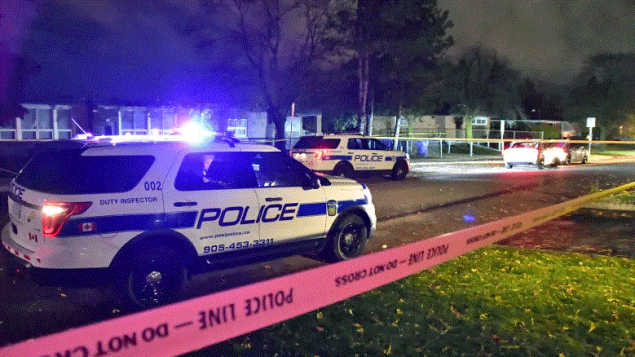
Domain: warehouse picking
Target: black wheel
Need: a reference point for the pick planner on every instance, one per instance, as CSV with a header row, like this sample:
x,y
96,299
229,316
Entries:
x,y
399,171
347,239
343,169
584,159
568,160
152,277
508,165
555,163
541,163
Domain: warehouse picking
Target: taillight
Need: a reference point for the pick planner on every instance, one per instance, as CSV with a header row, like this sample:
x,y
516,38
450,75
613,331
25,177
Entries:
x,y
55,214
318,154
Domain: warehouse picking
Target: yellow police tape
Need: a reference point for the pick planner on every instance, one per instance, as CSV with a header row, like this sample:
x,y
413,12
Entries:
x,y
203,321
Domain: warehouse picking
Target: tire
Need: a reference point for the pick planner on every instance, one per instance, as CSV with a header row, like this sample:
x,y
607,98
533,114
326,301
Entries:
x,y
541,163
343,169
555,163
399,171
509,166
152,277
584,160
568,160
346,240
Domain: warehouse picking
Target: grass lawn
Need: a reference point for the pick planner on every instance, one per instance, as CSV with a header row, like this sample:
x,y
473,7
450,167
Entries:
x,y
497,301
613,152
464,148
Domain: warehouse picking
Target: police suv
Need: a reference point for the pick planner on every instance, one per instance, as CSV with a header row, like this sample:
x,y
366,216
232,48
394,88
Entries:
x,y
147,213
345,155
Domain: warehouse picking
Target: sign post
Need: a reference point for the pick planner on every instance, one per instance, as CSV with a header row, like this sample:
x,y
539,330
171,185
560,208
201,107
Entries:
x,y
501,145
590,123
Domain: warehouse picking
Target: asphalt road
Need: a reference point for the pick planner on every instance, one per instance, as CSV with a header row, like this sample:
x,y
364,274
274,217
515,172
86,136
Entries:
x,y
434,199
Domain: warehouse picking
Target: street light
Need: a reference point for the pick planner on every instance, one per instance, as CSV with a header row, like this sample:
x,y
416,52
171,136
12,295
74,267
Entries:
x,y
537,110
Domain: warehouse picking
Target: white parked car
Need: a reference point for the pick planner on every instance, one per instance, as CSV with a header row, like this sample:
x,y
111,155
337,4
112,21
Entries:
x,y
532,153
146,213
571,153
346,155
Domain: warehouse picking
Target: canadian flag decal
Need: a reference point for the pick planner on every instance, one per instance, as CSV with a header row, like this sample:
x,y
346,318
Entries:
x,y
88,227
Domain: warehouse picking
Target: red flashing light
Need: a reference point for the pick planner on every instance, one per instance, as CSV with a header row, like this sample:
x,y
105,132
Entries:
x,y
55,214
319,154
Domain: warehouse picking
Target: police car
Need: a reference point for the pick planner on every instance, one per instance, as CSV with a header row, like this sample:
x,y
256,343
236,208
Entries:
x,y
147,214
345,155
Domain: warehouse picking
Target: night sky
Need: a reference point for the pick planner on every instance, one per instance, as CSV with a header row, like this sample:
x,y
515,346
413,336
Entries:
x,y
547,40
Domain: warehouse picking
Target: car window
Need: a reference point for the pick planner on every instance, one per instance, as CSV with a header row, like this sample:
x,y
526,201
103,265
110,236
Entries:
x,y
354,144
316,142
375,144
275,169
525,145
77,174
214,171
364,144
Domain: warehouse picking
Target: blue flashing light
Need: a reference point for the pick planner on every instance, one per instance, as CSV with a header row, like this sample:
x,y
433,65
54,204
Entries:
x,y
194,133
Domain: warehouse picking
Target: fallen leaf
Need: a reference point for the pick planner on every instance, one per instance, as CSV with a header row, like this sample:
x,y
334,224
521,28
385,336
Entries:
x,y
593,326
388,351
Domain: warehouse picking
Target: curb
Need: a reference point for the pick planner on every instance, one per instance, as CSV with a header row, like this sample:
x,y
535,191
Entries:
x,y
499,160
606,213
477,161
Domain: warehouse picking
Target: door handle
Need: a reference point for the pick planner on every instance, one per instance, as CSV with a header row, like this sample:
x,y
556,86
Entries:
x,y
273,199
183,204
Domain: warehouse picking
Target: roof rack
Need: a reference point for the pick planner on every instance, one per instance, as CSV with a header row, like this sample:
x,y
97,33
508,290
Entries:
x,y
347,132
90,140
228,139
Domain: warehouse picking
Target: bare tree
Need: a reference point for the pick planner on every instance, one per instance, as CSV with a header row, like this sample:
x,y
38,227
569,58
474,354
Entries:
x,y
481,83
281,44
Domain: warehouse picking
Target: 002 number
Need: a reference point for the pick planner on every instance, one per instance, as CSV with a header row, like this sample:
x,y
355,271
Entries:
x,y
152,185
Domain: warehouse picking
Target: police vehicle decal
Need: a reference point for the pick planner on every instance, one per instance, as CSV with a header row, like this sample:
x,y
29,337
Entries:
x,y
337,157
312,209
368,158
136,222
133,222
342,205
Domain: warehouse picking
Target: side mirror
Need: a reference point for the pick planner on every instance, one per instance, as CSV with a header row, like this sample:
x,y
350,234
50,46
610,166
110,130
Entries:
x,y
324,181
310,182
